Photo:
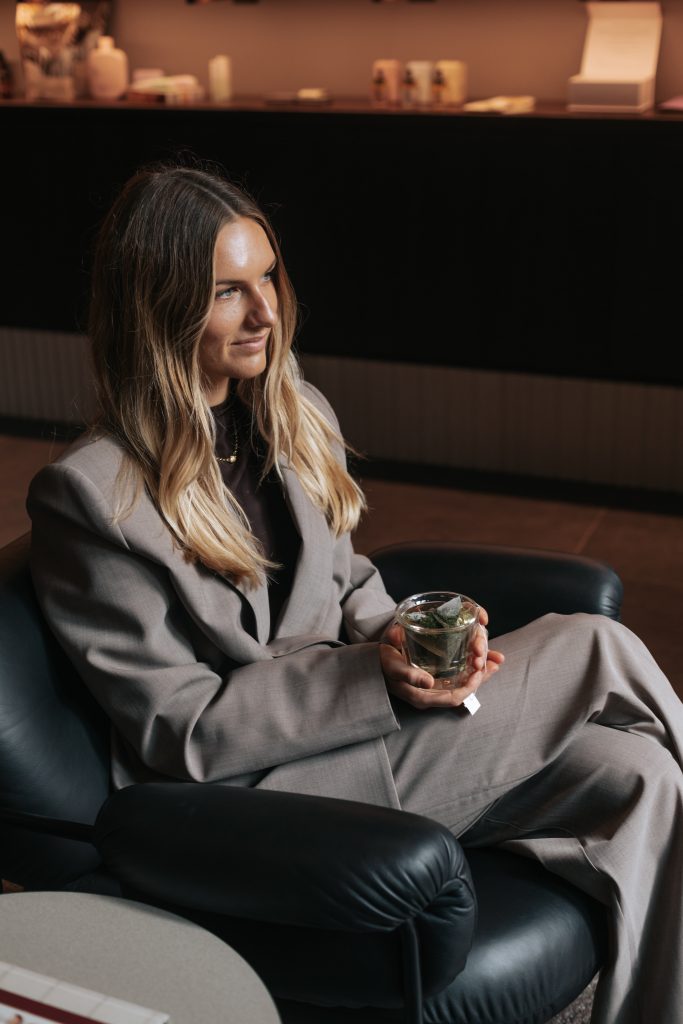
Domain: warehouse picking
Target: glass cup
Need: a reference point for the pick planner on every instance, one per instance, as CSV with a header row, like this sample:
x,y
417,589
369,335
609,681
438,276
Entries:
x,y
439,628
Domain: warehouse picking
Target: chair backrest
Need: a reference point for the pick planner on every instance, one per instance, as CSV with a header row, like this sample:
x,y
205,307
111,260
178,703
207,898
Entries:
x,y
515,585
54,739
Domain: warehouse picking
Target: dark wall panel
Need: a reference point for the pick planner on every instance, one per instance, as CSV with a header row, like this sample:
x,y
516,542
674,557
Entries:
x,y
541,244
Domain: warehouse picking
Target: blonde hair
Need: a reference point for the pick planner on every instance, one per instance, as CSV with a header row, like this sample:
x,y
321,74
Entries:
x,y
153,290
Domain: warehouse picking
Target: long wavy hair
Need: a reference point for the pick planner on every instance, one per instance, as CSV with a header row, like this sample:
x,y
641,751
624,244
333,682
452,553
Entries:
x,y
152,292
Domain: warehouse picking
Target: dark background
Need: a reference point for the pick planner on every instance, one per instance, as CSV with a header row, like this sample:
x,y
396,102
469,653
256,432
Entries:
x,y
545,244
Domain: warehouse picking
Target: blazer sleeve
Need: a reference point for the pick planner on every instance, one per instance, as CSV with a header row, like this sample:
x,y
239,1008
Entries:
x,y
119,619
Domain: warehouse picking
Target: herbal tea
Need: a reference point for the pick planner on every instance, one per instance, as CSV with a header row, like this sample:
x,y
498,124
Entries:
x,y
439,629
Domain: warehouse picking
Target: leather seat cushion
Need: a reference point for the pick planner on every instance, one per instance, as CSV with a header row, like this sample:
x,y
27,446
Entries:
x,y
538,943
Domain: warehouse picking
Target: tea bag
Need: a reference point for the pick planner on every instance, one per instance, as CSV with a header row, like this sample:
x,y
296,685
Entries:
x,y
449,610
471,703
451,646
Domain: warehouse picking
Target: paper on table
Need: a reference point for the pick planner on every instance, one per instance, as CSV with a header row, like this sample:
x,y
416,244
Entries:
x,y
39,999
503,105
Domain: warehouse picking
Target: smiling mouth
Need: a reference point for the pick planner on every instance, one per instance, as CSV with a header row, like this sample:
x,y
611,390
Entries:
x,y
252,341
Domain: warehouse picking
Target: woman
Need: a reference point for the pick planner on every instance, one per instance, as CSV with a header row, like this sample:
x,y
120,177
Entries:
x,y
193,557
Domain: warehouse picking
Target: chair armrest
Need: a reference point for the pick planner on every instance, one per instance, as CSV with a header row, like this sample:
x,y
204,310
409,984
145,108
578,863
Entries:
x,y
292,859
515,585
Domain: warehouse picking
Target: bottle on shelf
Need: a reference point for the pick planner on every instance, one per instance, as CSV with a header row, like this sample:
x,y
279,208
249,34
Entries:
x,y
422,72
220,79
379,87
386,77
409,91
6,86
438,86
454,77
107,70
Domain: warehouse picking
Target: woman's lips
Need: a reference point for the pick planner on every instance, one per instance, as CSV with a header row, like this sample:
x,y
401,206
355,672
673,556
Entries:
x,y
252,343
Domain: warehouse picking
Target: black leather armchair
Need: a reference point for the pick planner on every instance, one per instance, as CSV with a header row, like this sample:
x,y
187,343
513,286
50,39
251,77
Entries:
x,y
349,912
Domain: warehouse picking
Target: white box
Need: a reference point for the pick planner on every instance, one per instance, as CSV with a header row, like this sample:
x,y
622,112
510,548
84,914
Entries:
x,y
620,56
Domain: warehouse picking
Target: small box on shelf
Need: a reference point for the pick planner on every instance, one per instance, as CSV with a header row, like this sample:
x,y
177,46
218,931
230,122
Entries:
x,y
619,58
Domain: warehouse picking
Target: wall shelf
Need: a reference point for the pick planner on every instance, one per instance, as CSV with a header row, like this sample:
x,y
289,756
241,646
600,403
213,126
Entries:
x,y
348,105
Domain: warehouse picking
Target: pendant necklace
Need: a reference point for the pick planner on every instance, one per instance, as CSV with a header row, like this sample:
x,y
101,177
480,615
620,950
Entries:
x,y
233,456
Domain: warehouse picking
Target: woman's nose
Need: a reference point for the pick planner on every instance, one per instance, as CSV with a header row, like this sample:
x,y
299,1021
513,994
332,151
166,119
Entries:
x,y
264,309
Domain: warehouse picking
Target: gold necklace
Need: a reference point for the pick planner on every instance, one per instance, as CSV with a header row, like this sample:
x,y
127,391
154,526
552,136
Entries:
x,y
233,456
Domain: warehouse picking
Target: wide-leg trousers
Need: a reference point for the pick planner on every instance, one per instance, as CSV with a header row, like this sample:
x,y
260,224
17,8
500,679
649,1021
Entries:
x,y
574,759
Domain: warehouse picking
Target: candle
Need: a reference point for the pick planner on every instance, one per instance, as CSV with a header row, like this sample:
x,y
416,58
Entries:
x,y
454,74
220,79
422,72
390,70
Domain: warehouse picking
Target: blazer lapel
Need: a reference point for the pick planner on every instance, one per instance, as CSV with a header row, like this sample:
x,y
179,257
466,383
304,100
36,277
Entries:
x,y
306,608
215,604
257,599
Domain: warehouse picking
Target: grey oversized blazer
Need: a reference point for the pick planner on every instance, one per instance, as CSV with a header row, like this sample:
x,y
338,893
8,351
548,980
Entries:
x,y
180,659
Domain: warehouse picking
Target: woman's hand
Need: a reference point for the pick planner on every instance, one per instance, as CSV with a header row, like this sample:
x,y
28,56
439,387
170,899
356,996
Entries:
x,y
417,687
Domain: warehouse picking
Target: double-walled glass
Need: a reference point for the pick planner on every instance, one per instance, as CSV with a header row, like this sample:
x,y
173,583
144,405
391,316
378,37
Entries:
x,y
439,632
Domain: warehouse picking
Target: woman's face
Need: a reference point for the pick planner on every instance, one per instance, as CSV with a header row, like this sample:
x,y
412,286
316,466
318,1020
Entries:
x,y
244,309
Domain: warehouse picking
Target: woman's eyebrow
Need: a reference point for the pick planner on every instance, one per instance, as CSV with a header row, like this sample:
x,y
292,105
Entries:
x,y
238,280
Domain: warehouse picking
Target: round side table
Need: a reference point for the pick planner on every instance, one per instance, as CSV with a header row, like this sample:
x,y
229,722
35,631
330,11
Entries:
x,y
133,952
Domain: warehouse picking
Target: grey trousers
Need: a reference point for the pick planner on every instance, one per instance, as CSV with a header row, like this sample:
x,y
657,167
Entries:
x,y
574,759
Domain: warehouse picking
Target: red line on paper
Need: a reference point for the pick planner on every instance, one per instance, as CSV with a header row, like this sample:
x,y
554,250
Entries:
x,y
18,1002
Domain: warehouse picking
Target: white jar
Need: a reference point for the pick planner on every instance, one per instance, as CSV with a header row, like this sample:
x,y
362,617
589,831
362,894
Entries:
x,y
220,79
454,74
107,70
391,72
422,72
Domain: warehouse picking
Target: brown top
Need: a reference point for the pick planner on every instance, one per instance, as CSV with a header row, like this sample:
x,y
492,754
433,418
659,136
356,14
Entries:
x,y
263,502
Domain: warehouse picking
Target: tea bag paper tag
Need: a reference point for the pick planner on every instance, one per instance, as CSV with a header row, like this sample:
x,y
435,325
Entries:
x,y
471,703
450,610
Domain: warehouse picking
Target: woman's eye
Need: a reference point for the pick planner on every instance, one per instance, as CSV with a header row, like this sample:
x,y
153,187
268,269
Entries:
x,y
227,292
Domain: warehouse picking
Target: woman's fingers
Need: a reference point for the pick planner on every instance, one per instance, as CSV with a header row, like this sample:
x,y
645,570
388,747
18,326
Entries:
x,y
422,699
494,659
419,689
396,669
480,646
484,661
393,635
436,698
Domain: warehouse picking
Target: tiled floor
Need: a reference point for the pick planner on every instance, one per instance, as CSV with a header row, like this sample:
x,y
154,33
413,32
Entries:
x,y
645,548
